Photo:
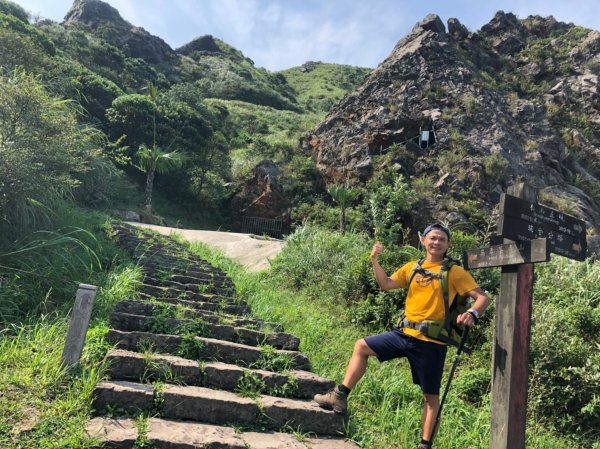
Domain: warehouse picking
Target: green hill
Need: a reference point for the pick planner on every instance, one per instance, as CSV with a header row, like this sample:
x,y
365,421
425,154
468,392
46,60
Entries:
x,y
319,86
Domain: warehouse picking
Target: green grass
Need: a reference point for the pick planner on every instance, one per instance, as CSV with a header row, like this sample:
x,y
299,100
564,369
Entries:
x,y
43,406
319,89
385,407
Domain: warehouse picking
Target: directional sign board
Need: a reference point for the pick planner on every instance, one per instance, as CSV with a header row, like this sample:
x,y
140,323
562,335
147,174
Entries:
x,y
523,221
512,253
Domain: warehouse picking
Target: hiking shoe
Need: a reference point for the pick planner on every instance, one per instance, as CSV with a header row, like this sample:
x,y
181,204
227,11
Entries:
x,y
423,446
333,400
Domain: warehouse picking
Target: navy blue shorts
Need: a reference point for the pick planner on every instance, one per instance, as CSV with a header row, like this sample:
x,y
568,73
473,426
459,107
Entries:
x,y
426,359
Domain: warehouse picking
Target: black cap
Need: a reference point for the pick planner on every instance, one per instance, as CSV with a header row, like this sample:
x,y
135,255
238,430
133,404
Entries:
x,y
437,226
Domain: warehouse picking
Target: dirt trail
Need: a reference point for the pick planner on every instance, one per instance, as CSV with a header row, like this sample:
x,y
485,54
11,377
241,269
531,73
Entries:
x,y
253,253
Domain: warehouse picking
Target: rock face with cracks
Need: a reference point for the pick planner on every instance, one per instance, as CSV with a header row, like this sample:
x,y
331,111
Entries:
x,y
516,101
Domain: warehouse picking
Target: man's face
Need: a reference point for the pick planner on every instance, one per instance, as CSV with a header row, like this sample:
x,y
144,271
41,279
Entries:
x,y
436,243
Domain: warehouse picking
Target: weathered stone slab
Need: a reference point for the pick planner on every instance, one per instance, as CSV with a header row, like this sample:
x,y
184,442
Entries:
x,y
166,434
174,264
213,349
226,377
193,270
207,286
200,305
132,322
128,396
132,341
219,281
272,440
147,308
207,405
128,365
279,340
170,292
135,366
310,384
114,433
172,434
305,415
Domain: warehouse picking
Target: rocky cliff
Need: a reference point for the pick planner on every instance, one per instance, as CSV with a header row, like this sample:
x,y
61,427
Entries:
x,y
518,100
135,41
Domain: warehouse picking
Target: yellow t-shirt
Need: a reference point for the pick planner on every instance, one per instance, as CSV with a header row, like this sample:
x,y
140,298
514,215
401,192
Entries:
x,y
425,299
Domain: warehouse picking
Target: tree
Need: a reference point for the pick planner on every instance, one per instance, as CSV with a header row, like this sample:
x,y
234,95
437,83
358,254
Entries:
x,y
152,161
132,116
343,196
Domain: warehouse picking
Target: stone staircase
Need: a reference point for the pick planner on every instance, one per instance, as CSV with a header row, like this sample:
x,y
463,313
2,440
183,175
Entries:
x,y
191,368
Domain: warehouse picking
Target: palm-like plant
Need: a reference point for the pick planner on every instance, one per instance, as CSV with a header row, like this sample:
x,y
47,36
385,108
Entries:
x,y
343,196
154,161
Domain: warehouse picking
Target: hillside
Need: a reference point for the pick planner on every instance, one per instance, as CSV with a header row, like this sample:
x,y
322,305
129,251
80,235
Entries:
x,y
211,104
517,100
99,120
319,85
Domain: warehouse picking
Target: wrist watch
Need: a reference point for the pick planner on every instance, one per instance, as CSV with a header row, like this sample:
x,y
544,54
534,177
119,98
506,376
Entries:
x,y
474,314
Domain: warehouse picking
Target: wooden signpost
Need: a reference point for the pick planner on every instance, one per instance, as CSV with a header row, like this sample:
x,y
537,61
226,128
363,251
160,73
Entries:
x,y
531,233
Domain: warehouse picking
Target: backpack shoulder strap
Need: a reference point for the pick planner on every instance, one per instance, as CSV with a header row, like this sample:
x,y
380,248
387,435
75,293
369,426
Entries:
x,y
446,266
414,270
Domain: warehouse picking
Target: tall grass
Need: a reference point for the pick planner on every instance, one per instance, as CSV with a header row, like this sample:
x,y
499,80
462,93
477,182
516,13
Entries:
x,y
41,404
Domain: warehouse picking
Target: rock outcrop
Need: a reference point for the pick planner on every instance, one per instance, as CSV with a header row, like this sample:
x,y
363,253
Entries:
x,y
134,41
262,195
516,101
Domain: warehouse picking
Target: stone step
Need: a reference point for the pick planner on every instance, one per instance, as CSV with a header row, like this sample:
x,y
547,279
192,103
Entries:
x,y
216,406
221,282
170,292
161,258
166,278
151,266
130,322
129,365
147,308
171,434
202,288
233,309
210,349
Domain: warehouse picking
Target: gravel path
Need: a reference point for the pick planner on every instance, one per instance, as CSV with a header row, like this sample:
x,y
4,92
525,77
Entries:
x,y
253,253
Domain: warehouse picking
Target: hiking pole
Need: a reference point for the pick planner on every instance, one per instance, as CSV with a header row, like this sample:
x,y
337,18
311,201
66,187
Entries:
x,y
461,346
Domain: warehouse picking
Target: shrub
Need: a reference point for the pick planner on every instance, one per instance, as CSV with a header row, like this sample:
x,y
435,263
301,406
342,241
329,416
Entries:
x,y
15,10
42,148
317,257
565,380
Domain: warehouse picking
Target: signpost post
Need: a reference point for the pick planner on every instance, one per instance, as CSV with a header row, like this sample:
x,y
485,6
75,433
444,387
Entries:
x,y
531,233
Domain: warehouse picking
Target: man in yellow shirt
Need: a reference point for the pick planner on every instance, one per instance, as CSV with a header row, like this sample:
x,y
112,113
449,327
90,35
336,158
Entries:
x,y
424,301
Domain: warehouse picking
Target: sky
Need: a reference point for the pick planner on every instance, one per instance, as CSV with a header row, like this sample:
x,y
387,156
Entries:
x,y
279,34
